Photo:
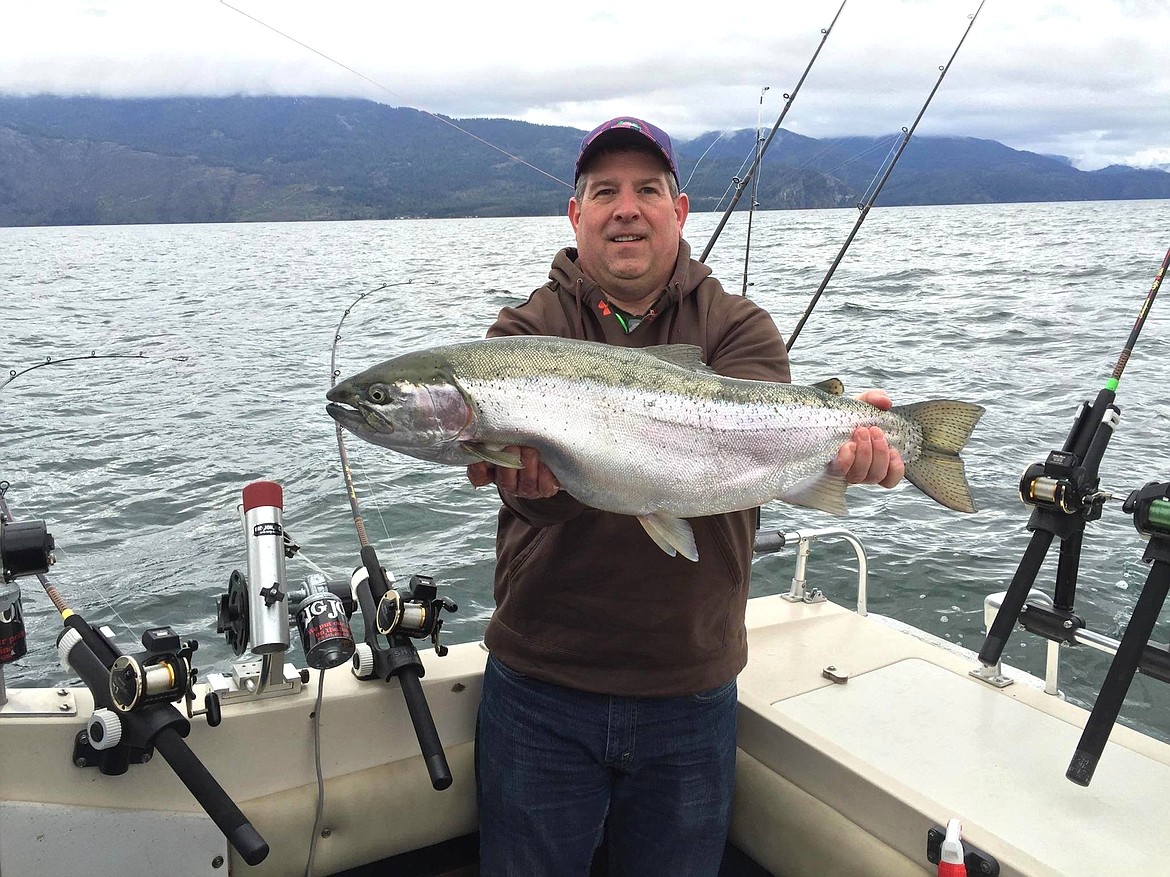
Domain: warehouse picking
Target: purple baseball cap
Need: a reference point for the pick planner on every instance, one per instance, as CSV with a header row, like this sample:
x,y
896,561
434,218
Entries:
x,y
631,129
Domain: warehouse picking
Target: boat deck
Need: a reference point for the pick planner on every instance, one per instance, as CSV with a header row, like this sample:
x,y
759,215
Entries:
x,y
910,741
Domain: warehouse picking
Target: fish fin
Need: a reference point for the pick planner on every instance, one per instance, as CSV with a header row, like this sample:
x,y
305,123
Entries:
x,y
942,477
495,456
832,386
824,492
688,356
672,535
938,470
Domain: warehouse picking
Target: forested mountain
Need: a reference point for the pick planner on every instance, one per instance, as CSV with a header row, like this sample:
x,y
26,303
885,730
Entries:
x,y
70,161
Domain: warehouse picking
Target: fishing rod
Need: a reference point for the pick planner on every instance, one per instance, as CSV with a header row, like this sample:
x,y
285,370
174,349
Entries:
x,y
864,208
399,616
13,374
747,249
740,185
1065,494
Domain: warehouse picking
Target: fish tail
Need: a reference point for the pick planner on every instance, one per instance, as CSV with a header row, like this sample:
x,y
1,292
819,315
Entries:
x,y
938,470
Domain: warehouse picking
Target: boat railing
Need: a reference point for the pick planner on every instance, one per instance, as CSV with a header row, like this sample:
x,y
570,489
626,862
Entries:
x,y
768,543
800,592
1155,660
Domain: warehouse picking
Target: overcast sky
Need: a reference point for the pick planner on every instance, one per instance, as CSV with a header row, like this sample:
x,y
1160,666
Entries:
x,y
1089,79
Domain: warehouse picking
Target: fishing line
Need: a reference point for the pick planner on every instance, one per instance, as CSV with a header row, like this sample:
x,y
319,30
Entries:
x,y
718,137
736,180
346,469
379,506
386,89
792,173
105,601
789,98
878,143
309,562
334,374
863,209
886,163
54,595
59,603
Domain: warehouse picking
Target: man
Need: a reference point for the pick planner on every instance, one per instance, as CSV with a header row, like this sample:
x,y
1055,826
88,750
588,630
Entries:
x,y
609,696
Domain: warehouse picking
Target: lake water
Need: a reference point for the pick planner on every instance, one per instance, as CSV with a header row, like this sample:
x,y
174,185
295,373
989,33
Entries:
x,y
137,464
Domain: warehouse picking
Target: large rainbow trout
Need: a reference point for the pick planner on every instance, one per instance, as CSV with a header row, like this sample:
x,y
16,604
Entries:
x,y
651,432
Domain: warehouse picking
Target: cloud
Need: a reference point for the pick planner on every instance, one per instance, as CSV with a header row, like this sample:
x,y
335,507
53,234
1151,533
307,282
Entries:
x,y
1085,79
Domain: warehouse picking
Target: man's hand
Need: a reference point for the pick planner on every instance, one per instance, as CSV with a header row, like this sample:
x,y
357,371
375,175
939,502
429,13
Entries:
x,y
867,457
534,481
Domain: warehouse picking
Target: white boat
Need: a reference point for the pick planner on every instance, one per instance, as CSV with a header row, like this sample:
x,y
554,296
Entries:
x,y
857,737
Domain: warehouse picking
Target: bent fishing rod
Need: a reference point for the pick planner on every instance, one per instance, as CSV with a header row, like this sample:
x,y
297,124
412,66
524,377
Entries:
x,y
397,615
864,208
741,185
1065,494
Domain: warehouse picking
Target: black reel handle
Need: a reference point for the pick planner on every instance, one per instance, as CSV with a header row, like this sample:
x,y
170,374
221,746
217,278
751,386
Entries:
x,y
223,811
424,728
401,659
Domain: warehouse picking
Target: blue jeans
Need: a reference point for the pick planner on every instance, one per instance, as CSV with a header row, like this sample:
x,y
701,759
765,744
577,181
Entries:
x,y
554,767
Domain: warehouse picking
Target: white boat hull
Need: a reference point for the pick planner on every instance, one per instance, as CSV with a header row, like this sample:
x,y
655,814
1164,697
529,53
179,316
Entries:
x,y
832,778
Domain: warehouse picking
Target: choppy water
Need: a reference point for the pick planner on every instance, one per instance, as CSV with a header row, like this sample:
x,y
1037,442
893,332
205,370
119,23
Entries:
x,y
137,465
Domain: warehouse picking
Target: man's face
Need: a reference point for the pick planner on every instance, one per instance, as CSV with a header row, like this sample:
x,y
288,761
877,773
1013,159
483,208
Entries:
x,y
628,226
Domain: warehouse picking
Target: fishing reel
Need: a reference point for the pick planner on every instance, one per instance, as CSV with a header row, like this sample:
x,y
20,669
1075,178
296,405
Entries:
x,y
1150,507
135,717
1061,483
26,548
13,646
162,673
414,612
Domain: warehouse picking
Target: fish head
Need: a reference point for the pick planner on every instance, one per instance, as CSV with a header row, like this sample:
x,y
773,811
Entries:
x,y
411,404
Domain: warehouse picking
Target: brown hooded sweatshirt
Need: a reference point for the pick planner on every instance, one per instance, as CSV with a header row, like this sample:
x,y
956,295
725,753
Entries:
x,y
584,598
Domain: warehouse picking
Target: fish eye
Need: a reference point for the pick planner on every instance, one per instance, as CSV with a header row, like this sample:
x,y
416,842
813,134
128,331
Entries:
x,y
379,394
